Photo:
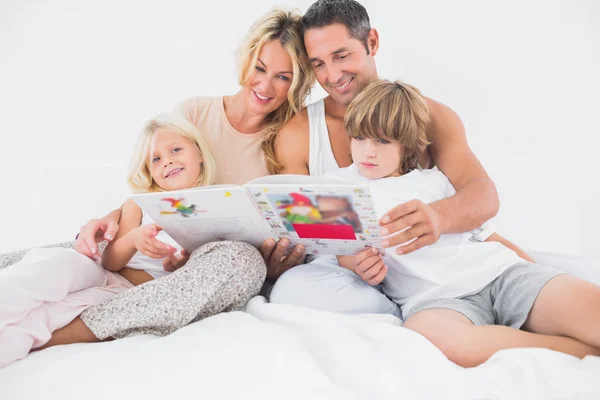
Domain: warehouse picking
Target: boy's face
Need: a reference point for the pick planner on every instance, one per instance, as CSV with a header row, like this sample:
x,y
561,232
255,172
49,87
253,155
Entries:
x,y
341,63
377,158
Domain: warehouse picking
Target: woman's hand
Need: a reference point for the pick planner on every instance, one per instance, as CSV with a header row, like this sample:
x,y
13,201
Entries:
x,y
92,233
370,267
172,262
144,240
276,259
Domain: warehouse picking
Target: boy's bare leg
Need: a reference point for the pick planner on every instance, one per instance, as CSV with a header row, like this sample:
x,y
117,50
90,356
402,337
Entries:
x,y
567,306
468,345
74,332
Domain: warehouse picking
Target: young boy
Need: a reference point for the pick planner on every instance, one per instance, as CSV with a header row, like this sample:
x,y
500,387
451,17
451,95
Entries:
x,y
471,294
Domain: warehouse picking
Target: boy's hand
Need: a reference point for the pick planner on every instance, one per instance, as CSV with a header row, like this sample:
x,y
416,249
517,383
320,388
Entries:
x,y
370,266
144,239
172,262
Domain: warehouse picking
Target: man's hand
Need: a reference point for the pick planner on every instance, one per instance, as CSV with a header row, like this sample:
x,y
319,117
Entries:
x,y
414,222
172,262
144,240
276,259
370,266
92,233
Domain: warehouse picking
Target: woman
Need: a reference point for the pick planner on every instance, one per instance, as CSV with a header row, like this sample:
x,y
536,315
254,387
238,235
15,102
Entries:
x,y
275,78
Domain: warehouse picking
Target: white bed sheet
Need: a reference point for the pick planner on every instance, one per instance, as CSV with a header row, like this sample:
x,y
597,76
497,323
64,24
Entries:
x,y
286,352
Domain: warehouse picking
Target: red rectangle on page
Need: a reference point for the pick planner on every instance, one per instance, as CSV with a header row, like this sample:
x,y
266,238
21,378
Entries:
x,y
325,231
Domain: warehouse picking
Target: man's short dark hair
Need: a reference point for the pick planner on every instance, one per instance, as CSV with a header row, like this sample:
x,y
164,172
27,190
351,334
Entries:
x,y
349,13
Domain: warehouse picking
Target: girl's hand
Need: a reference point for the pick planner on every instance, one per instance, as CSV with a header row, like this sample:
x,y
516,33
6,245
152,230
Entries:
x,y
144,240
172,262
370,266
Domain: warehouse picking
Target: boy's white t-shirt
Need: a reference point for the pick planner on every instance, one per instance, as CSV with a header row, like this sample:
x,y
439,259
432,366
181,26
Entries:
x,y
456,265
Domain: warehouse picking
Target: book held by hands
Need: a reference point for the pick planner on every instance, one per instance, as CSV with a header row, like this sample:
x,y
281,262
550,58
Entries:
x,y
326,215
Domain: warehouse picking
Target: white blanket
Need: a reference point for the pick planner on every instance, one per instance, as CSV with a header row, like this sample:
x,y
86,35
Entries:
x,y
285,352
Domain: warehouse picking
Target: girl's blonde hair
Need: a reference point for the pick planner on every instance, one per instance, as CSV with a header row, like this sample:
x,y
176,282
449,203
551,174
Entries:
x,y
284,26
139,177
391,110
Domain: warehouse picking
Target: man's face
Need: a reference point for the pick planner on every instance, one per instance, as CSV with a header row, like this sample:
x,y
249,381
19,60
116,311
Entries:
x,y
341,63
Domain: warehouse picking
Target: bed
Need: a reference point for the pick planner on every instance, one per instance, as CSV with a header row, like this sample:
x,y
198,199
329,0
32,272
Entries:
x,y
270,351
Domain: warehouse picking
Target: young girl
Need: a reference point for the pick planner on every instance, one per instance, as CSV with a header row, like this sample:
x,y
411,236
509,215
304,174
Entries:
x,y
48,288
471,294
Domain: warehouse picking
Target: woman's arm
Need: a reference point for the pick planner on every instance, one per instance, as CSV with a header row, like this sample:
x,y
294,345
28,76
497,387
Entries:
x,y
494,237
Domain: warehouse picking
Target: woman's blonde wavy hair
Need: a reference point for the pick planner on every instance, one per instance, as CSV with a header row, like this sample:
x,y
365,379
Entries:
x,y
139,177
284,26
391,110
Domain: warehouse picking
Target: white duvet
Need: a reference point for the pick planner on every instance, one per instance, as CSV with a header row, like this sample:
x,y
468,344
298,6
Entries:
x,y
286,352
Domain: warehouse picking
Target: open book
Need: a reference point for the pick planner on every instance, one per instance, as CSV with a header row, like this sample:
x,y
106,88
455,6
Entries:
x,y
326,215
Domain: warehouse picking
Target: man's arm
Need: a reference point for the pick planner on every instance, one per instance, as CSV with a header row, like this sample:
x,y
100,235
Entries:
x,y
292,145
494,237
475,202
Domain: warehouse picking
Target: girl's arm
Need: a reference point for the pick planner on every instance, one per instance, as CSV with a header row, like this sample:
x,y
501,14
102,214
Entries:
x,y
118,252
494,237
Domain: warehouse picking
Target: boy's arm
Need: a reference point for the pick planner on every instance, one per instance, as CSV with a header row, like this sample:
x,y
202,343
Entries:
x,y
368,265
95,231
118,252
475,202
494,237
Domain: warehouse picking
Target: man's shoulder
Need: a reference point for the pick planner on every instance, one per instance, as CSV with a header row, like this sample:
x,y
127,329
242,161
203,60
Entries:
x,y
440,114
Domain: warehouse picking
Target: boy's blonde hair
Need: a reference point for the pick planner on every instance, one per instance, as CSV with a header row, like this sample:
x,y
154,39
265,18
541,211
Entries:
x,y
140,179
284,26
391,110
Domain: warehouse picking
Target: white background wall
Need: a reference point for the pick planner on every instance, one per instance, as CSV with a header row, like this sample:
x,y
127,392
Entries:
x,y
78,80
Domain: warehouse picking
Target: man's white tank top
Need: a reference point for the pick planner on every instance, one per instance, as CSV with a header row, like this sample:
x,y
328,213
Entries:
x,y
320,154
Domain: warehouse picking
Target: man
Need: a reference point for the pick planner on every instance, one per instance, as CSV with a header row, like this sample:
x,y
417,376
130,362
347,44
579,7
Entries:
x,y
341,46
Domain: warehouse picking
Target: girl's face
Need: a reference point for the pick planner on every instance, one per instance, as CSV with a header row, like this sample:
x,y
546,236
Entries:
x,y
174,161
271,79
377,158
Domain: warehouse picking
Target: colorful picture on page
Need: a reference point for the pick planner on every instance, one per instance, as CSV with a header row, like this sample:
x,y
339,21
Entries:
x,y
178,206
314,216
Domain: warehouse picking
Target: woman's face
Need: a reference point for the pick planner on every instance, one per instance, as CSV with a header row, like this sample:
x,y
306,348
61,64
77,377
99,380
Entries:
x,y
271,79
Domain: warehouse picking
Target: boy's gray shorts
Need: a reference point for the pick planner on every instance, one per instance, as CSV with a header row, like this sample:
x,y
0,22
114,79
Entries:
x,y
507,300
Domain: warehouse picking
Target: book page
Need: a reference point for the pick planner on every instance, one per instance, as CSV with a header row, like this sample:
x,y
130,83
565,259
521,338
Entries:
x,y
196,217
326,219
